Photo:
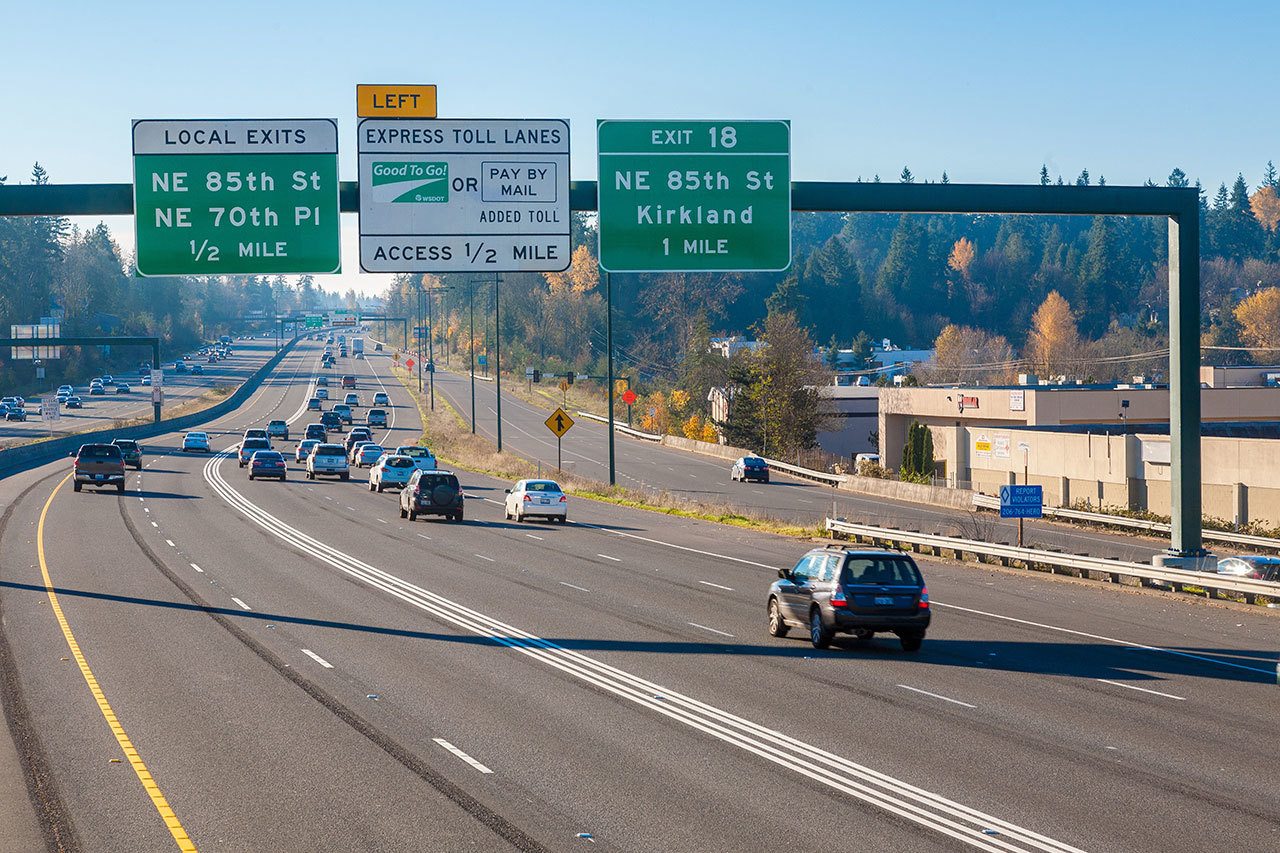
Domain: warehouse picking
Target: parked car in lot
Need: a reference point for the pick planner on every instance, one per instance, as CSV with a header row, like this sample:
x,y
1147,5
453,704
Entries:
x,y
316,431
74,402
376,418
343,411
195,441
98,465
390,471
250,446
131,451
423,458
749,468
278,429
305,447
315,404
328,459
1249,566
537,499
381,399
377,347
837,590
368,454
268,463
432,493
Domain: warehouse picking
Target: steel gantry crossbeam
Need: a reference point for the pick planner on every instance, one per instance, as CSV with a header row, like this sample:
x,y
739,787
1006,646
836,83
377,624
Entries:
x,y
95,341
1179,205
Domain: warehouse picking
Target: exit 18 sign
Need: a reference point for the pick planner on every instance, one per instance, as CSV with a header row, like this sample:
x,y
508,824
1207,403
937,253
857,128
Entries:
x,y
236,196
694,196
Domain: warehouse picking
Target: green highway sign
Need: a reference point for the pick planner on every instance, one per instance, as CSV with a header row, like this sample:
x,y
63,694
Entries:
x,y
694,196
236,196
315,321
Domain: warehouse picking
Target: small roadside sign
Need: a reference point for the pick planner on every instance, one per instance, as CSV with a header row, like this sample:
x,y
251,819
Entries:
x,y
559,422
564,384
408,362
157,378
628,396
50,409
1021,501
157,394
482,360
377,101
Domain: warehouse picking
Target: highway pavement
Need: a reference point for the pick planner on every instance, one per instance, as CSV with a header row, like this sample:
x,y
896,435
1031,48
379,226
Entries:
x,y
705,479
101,411
206,662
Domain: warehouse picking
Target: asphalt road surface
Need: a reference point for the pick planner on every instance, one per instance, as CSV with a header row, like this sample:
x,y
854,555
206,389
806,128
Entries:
x,y
179,388
294,667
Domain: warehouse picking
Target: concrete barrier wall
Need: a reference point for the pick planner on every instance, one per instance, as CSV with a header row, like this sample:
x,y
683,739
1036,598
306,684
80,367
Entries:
x,y
17,459
705,447
913,492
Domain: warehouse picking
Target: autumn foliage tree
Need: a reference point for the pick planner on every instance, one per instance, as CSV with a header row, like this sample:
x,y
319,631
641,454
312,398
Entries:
x,y
1053,345
1266,208
1259,319
962,254
966,354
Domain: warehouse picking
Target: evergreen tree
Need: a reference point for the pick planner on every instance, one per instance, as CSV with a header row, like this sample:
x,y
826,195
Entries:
x,y
1044,175
906,177
1083,180
1178,178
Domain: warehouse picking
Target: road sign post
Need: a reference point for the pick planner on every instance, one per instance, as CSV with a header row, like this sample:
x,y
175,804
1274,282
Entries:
x,y
229,196
1021,502
50,411
464,195
559,423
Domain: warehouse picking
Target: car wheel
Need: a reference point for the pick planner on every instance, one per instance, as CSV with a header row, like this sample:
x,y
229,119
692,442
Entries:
x,y
912,641
380,488
120,487
76,486
250,476
819,634
138,467
241,464
413,516
403,513
765,481
777,625
564,519
458,517
346,475
519,517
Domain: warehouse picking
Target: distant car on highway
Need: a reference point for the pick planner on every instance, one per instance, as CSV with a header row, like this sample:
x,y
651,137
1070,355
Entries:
x,y
195,441
98,465
96,390
322,393
13,412
352,400
348,381
123,388
376,418
343,411
381,399
316,431
357,435
432,493
108,379
423,458
322,381
305,447
66,389
179,367
1248,566
328,459
749,468
278,429
537,499
131,451
74,402
268,463
197,370
250,446
390,471
851,591
146,380
256,432
331,421
367,454
315,405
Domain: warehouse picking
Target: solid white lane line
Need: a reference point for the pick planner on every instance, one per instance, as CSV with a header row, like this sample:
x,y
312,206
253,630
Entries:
x,y
936,696
467,758
153,524
483,557
607,557
575,586
1144,690
1143,646
716,585
315,657
531,536
712,630
170,542
197,568
243,606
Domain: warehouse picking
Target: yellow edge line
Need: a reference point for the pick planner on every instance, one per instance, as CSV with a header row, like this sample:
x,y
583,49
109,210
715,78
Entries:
x,y
135,761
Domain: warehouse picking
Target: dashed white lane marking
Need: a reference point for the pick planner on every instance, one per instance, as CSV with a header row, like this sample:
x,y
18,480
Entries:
x,y
483,557
326,497
315,657
153,524
170,543
574,586
197,568
382,521
531,536
712,630
144,500
243,606
467,758
146,509
1144,690
716,585
937,696
607,557
351,508
425,536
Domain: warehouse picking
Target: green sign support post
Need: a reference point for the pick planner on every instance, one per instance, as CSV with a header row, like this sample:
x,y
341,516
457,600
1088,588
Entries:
x,y
236,196
694,196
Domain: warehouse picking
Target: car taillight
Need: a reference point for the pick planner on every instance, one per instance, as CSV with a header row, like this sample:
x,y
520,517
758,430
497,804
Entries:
x,y
528,498
924,598
837,597
564,499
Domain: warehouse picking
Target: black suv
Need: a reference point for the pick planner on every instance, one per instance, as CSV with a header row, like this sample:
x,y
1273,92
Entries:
x,y
432,493
838,590
331,421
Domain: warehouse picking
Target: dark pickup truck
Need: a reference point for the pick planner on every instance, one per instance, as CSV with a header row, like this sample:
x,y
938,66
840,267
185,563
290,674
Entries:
x,y
99,465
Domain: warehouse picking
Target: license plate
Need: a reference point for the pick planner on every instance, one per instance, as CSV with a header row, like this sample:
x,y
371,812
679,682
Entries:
x,y
98,476
884,599
544,501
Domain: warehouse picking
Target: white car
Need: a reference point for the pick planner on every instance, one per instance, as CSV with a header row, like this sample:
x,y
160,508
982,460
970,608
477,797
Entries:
x,y
540,498
322,393
423,459
328,459
194,441
391,471
304,449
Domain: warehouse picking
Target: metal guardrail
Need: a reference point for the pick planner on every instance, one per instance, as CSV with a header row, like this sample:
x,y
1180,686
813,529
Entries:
x,y
1224,536
647,436
1113,569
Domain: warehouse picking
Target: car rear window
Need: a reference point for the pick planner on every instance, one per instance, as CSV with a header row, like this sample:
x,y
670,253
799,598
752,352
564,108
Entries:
x,y
373,448
330,450
278,423
753,462
415,452
125,444
430,481
374,413
268,455
541,486
99,451
880,570
398,462
255,444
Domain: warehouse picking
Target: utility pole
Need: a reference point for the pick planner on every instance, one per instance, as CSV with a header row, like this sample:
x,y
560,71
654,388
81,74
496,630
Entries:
x,y
497,353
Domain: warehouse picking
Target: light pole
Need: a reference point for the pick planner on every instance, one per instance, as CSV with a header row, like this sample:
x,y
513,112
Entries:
x,y
431,351
497,355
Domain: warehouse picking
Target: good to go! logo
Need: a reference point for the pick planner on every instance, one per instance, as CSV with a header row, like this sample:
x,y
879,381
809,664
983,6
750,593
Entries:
x,y
411,182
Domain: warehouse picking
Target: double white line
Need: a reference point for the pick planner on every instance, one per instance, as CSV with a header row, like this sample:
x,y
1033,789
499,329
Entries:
x,y
933,811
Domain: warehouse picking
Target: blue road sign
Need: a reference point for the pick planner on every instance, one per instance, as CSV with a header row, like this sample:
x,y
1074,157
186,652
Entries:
x,y
1021,501
482,359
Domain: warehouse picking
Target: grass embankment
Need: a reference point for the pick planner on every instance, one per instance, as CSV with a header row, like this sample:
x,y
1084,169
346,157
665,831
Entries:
x,y
452,441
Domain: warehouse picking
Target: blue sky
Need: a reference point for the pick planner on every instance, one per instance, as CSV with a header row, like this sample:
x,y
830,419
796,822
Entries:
x,y
987,91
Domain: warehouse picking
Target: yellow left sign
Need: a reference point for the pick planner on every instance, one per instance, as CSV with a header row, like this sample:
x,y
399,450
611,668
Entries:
x,y
379,101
